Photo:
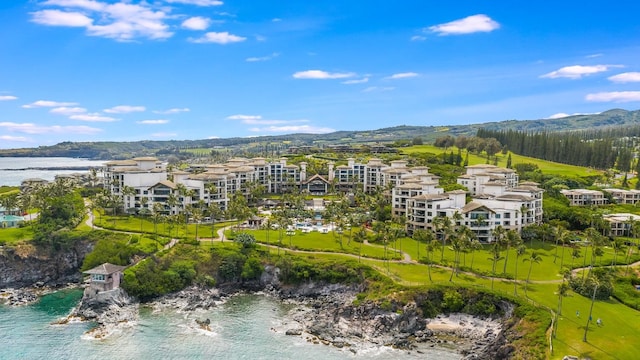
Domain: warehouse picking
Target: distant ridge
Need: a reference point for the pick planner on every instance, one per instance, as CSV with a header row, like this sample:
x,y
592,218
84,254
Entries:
x,y
118,150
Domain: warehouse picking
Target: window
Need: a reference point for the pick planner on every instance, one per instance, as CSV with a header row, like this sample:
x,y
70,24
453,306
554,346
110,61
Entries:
x,y
97,277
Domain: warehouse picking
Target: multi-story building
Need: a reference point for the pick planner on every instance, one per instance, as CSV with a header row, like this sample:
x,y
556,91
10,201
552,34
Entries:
x,y
622,196
496,197
582,197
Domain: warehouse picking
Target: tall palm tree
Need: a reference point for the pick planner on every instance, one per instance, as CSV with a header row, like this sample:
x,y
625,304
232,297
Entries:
x,y
534,258
562,292
512,238
520,250
431,248
475,246
495,257
596,283
442,225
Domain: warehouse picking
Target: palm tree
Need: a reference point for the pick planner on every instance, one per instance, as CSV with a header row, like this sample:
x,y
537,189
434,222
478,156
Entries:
x,y
512,238
127,193
596,283
618,247
431,247
213,210
520,250
422,236
442,225
563,290
475,246
495,257
156,213
534,258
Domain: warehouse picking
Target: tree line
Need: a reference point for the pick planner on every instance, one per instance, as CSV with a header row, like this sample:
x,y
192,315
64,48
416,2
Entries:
x,y
575,148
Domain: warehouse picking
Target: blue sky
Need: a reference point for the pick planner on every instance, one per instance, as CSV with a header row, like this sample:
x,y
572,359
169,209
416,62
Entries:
x,y
94,70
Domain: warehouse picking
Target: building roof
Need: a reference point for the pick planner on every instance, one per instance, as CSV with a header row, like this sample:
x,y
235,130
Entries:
x,y
474,206
105,269
145,158
517,197
431,197
316,177
167,183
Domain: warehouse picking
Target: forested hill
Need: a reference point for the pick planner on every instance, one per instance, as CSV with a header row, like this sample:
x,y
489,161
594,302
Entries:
x,y
115,150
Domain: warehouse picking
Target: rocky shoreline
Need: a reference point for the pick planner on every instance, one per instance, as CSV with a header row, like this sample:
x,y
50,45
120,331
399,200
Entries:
x,y
29,295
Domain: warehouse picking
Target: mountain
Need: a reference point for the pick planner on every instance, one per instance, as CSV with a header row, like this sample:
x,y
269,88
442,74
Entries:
x,y
121,150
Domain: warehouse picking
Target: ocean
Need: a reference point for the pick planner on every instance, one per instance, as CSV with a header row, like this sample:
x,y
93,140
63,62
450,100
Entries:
x,y
13,170
244,327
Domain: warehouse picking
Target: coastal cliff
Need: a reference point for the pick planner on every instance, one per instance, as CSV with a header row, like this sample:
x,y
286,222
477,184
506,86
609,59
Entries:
x,y
29,265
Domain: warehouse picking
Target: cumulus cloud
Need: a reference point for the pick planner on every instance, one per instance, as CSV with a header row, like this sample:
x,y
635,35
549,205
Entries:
x,y
165,135
263,58
470,24
356,81
197,2
30,128
196,23
61,18
218,38
322,75
625,77
306,129
153,122
125,109
121,21
172,111
67,111
577,71
614,96
378,88
48,103
8,97
92,117
402,75
258,120
14,138
563,115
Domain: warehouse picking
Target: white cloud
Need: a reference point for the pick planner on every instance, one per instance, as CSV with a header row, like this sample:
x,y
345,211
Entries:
x,y
563,115
263,58
577,71
8,97
593,56
625,77
196,23
121,21
125,109
197,2
244,117
61,18
213,137
153,122
258,120
67,111
322,75
29,128
306,129
356,81
418,38
14,138
92,117
614,96
165,135
82,4
402,75
48,103
276,20
218,38
172,111
468,25
378,88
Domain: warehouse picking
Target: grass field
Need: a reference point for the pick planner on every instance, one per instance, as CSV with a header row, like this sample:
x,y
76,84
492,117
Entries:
x,y
547,167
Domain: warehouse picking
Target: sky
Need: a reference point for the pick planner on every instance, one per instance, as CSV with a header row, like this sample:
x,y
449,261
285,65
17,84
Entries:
x,y
128,70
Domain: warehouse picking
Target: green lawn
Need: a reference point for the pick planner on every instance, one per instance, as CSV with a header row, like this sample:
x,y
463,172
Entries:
x,y
145,225
14,235
615,339
547,167
315,241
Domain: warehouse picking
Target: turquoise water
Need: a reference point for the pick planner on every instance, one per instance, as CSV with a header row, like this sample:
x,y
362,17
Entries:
x,y
242,328
15,169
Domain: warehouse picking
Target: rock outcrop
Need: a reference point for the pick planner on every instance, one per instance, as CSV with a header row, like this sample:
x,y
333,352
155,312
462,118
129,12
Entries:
x,y
112,310
28,265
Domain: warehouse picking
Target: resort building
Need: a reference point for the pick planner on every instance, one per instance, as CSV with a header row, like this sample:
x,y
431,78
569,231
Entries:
x,y
584,197
622,196
622,224
495,197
